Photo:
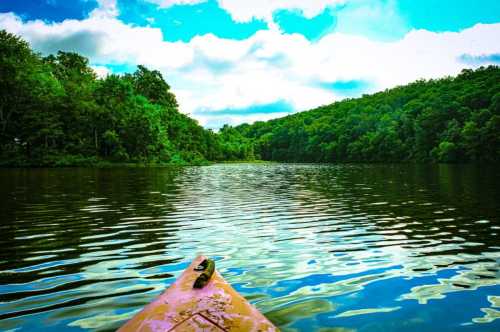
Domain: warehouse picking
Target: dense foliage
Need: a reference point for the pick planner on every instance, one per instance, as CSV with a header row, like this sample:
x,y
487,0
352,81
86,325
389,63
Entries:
x,y
447,120
55,111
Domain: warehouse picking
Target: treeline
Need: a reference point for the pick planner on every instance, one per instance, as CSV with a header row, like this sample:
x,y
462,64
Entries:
x,y
447,120
54,110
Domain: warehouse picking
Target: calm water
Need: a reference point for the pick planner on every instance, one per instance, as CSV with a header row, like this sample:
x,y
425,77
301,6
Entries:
x,y
314,247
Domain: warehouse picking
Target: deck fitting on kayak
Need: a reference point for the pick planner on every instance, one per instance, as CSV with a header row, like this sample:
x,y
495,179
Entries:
x,y
202,266
208,268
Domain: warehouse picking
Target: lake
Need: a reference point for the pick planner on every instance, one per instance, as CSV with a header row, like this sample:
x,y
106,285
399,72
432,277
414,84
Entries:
x,y
314,247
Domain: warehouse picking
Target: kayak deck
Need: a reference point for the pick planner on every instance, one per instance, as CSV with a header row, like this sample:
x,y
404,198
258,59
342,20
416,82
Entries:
x,y
215,307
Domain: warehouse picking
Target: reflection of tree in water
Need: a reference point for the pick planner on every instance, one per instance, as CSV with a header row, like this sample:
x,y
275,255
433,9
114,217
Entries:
x,y
437,202
58,222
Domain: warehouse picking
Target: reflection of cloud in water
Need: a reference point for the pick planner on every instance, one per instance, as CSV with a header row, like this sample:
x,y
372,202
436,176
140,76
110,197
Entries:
x,y
490,313
350,313
477,274
99,321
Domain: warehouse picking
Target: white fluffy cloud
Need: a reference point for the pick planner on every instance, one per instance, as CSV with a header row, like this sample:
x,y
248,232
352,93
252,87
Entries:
x,y
210,73
103,39
106,8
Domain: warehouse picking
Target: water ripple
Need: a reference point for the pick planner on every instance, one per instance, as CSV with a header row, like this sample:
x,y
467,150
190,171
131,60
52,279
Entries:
x,y
314,247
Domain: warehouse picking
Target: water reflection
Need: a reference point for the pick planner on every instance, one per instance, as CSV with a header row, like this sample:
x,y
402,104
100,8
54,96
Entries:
x,y
331,248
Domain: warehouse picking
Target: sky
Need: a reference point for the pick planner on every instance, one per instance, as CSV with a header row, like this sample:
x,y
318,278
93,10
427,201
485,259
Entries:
x,y
236,61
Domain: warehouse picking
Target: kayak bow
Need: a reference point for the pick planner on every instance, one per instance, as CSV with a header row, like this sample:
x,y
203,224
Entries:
x,y
199,300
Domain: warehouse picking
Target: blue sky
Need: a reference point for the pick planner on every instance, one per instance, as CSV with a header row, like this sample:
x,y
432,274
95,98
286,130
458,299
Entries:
x,y
237,61
49,10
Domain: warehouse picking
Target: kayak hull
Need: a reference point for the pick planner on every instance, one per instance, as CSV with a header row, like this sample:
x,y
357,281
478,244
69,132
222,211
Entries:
x,y
215,307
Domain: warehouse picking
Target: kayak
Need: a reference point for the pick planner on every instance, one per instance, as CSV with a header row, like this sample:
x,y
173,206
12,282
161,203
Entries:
x,y
199,300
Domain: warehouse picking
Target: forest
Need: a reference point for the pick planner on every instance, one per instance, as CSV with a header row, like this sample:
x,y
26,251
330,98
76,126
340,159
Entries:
x,y
454,119
55,111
